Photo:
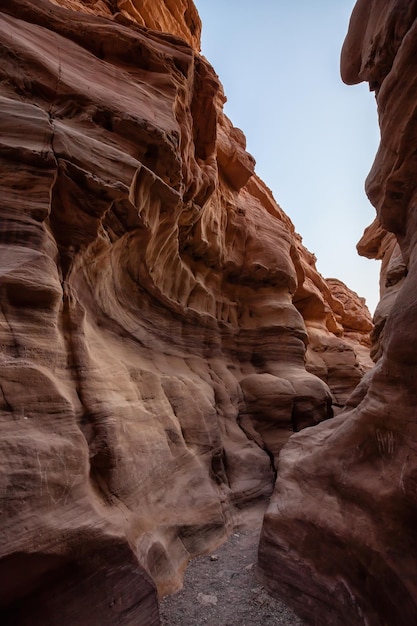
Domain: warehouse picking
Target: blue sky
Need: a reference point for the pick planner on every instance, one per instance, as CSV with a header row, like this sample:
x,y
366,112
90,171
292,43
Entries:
x,y
314,139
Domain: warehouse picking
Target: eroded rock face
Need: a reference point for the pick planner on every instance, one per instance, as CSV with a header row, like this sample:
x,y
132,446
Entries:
x,y
178,17
156,308
338,540
378,243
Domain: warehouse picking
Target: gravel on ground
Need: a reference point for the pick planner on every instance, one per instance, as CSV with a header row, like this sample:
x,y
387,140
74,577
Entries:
x,y
221,590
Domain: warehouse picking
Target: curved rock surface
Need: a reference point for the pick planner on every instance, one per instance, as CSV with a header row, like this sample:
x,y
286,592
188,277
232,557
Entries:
x,y
156,306
338,540
378,243
178,17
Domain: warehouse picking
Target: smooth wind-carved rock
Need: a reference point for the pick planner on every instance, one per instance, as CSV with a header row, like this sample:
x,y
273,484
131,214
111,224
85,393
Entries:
x,y
156,306
338,540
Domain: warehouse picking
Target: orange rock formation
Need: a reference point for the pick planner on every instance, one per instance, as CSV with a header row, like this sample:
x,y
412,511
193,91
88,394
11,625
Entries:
x,y
163,329
338,540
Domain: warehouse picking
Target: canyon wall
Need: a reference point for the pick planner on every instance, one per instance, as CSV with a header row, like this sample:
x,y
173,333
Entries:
x,y
338,540
163,329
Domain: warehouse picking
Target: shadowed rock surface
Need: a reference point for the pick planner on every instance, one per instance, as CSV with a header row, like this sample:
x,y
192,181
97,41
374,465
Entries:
x,y
338,540
156,308
222,589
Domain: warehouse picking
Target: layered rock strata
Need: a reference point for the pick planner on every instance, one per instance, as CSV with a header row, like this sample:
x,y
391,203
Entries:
x,y
338,539
378,243
156,305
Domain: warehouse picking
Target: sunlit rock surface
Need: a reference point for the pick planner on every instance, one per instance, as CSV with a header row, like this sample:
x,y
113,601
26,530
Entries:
x,y
156,308
338,539
179,17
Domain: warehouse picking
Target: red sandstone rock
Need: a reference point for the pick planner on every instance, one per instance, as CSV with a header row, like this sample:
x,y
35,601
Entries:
x,y
156,308
179,17
338,540
378,243
338,326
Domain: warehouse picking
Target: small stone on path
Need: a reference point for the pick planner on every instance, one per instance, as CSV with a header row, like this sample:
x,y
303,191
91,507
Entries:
x,y
221,590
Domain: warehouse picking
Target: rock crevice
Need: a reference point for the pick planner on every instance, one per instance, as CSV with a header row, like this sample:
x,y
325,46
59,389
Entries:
x,y
163,330
347,485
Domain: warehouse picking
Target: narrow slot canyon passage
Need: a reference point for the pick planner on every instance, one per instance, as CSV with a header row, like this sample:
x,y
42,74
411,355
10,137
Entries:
x,y
171,356
221,588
